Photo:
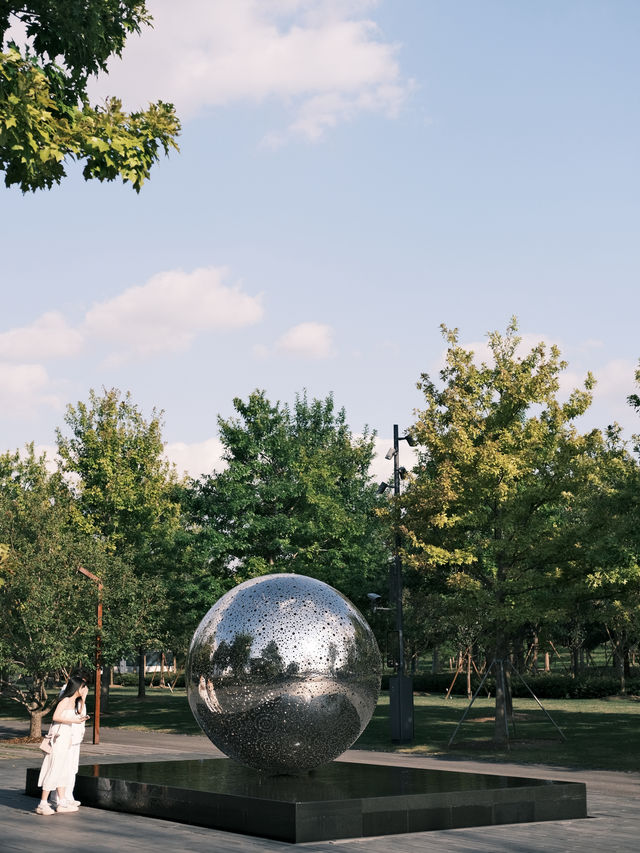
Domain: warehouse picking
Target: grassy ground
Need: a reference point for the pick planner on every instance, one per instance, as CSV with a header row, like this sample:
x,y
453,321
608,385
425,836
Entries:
x,y
601,733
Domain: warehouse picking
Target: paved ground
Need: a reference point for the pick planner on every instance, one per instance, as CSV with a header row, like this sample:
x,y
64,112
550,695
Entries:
x,y
613,805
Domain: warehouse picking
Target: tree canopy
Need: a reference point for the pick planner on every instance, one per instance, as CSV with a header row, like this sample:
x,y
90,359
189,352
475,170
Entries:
x,y
296,496
499,465
45,115
47,608
517,529
126,495
123,483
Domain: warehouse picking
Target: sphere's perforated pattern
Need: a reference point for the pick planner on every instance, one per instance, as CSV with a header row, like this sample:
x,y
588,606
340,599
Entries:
x,y
283,673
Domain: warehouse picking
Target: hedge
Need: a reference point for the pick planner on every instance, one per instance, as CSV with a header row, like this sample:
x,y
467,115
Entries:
x,y
544,685
549,685
130,679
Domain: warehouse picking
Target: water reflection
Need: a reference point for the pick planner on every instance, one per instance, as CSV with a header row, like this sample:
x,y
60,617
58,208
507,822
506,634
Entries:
x,y
339,780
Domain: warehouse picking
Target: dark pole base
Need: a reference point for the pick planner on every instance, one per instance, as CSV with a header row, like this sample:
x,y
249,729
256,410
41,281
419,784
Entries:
x,y
401,707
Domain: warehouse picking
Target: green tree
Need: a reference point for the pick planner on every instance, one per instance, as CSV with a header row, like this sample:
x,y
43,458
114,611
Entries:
x,y
604,595
47,608
609,540
45,114
127,494
296,497
634,399
499,466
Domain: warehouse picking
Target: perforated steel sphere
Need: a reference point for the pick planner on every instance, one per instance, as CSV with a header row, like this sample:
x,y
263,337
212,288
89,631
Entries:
x,y
283,673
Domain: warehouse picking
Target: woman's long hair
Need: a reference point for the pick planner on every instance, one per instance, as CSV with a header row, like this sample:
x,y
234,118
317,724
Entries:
x,y
74,683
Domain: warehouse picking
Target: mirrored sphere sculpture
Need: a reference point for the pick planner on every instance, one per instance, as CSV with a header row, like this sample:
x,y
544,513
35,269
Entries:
x,y
283,673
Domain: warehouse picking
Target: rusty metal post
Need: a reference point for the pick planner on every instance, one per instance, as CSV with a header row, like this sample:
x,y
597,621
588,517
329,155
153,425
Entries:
x,y
98,678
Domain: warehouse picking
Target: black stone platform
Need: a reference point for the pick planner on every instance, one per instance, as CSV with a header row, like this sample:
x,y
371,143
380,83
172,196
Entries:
x,y
339,800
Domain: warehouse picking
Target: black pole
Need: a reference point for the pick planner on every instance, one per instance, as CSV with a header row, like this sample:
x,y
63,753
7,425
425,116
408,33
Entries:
x,y
397,562
400,684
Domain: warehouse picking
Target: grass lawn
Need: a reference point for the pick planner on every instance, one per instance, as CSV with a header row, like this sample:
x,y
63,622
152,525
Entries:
x,y
601,733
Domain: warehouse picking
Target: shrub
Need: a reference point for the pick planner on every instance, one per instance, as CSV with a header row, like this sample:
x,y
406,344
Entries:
x,y
547,685
130,679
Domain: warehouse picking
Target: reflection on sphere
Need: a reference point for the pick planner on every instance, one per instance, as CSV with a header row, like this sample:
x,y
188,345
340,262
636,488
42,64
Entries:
x,y
283,673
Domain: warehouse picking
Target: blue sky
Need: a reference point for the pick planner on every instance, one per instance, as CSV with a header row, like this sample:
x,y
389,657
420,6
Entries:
x,y
352,174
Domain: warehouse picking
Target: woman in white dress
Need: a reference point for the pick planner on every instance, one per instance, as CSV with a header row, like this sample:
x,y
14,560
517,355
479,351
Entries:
x,y
60,766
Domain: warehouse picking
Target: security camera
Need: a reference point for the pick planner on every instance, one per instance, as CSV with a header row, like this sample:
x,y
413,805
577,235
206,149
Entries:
x,y
391,452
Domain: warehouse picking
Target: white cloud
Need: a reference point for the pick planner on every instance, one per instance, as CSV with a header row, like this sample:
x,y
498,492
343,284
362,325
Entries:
x,y
615,381
195,459
50,336
570,381
23,387
615,378
326,61
309,340
50,452
166,313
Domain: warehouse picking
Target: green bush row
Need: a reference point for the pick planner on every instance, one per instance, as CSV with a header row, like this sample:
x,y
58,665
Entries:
x,y
544,685
551,685
130,679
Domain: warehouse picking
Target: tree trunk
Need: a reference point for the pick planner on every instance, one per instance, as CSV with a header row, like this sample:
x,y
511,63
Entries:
x,y
547,662
619,644
469,692
503,692
35,723
500,733
435,660
503,699
627,661
142,665
534,654
575,662
104,693
518,656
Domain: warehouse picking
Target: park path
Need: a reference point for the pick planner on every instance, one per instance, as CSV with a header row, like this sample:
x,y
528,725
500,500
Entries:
x,y
613,806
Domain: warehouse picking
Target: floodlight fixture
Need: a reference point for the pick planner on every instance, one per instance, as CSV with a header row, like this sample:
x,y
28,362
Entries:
x,y
374,601
382,488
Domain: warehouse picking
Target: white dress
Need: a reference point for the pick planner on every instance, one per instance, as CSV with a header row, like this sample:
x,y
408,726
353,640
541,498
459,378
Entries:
x,y
60,766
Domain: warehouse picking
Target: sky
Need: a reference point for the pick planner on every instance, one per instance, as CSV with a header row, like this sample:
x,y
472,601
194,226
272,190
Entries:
x,y
352,174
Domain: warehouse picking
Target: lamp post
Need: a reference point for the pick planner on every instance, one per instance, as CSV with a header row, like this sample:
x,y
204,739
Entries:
x,y
98,682
400,684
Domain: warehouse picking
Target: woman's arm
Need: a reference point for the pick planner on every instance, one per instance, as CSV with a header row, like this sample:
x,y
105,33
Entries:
x,y
63,713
